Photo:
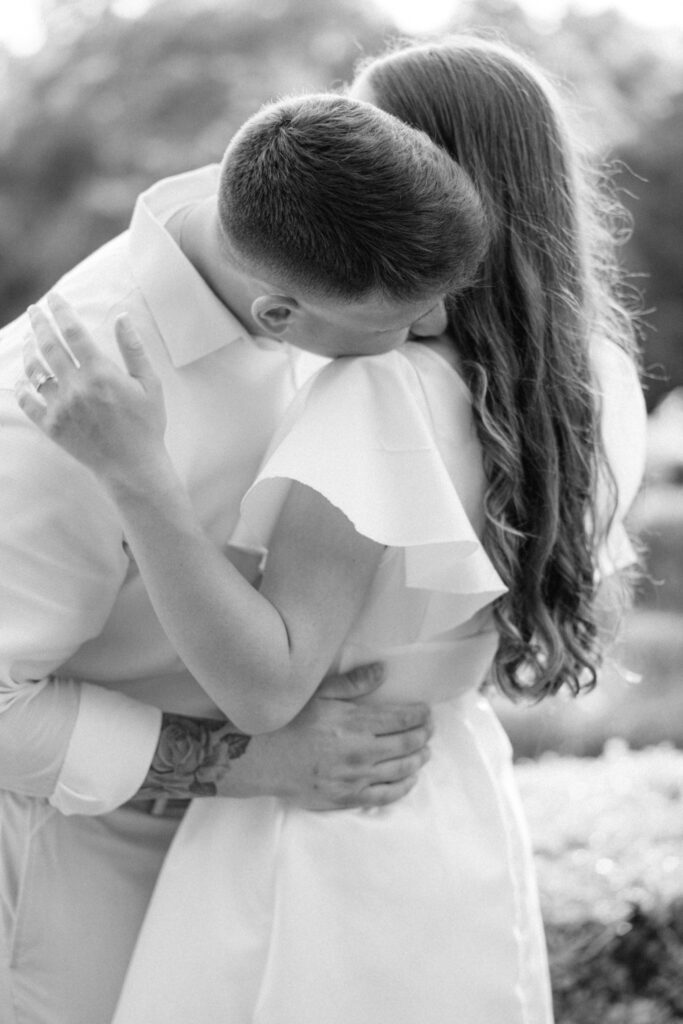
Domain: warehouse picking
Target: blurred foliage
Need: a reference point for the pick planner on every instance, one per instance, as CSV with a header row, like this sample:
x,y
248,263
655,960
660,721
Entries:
x,y
112,103
639,697
607,836
657,157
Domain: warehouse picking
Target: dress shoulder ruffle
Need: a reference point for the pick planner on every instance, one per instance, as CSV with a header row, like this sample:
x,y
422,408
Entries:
x,y
376,437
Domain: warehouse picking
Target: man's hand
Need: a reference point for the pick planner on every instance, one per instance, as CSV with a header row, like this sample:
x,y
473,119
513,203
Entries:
x,y
340,752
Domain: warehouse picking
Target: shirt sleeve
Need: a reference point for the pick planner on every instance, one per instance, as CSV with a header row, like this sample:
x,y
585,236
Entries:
x,y
84,748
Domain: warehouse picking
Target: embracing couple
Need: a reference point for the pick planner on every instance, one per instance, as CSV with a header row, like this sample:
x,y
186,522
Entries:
x,y
234,569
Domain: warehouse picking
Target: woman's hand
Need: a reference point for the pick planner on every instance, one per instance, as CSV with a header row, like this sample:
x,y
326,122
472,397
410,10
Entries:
x,y
111,421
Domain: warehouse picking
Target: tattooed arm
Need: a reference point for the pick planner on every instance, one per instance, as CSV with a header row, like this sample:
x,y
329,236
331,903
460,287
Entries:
x,y
335,753
192,757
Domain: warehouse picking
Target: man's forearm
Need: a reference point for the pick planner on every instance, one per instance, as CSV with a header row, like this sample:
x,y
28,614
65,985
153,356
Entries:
x,y
336,753
193,757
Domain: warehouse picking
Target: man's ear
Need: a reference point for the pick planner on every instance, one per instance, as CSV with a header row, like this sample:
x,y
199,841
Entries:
x,y
274,313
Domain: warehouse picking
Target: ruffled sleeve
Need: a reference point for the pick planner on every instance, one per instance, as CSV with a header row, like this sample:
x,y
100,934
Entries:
x,y
365,433
624,433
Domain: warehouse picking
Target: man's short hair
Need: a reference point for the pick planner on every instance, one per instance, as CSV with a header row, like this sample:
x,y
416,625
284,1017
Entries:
x,y
343,199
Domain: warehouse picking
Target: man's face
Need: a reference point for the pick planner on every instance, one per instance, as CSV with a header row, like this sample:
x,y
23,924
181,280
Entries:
x,y
365,327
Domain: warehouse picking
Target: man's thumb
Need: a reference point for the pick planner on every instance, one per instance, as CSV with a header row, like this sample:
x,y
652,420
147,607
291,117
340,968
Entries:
x,y
358,682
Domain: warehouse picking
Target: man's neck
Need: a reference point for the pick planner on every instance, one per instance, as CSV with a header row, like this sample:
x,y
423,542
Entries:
x,y
198,237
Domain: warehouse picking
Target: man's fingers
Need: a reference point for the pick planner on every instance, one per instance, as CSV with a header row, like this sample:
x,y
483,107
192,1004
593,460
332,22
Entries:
x,y
78,343
385,793
357,683
132,349
384,719
400,744
400,768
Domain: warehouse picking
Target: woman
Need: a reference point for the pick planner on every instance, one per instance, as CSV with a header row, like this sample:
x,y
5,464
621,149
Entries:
x,y
449,508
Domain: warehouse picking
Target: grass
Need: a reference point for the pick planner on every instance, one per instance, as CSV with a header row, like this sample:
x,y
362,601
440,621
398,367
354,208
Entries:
x,y
608,830
608,839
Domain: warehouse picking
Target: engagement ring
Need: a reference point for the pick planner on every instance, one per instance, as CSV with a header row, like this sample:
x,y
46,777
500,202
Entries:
x,y
43,379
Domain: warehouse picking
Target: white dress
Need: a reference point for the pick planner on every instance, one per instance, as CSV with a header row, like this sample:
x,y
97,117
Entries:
x,y
422,912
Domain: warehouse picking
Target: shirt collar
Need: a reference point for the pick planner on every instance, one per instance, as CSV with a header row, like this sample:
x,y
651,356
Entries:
x,y
192,321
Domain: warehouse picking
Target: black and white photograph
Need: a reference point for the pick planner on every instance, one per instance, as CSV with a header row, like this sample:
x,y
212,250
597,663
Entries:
x,y
341,512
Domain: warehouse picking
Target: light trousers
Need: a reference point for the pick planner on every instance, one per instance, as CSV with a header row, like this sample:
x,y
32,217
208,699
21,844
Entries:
x,y
73,893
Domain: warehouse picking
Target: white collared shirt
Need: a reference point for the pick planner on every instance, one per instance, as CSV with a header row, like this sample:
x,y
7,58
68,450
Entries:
x,y
72,605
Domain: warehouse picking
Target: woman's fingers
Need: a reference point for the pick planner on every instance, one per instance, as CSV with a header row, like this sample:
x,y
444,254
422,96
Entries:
x,y
47,345
37,371
132,350
30,402
84,402
78,346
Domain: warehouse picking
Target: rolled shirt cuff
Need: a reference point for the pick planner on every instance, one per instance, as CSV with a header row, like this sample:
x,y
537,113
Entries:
x,y
109,753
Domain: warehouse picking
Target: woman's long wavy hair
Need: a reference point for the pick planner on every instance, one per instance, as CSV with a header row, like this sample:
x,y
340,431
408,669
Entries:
x,y
550,283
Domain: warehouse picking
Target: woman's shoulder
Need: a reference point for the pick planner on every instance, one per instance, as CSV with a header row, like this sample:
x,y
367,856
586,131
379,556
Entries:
x,y
411,398
435,356
619,386
418,378
614,367
623,417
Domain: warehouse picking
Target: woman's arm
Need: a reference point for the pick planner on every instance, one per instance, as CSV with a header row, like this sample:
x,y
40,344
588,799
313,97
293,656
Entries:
x,y
259,656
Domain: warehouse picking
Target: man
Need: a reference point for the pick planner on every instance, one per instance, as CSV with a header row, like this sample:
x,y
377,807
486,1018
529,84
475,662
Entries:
x,y
329,223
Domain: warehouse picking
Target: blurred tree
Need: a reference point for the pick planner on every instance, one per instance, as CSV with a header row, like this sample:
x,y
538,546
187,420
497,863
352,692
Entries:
x,y
112,103
625,86
617,74
657,243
